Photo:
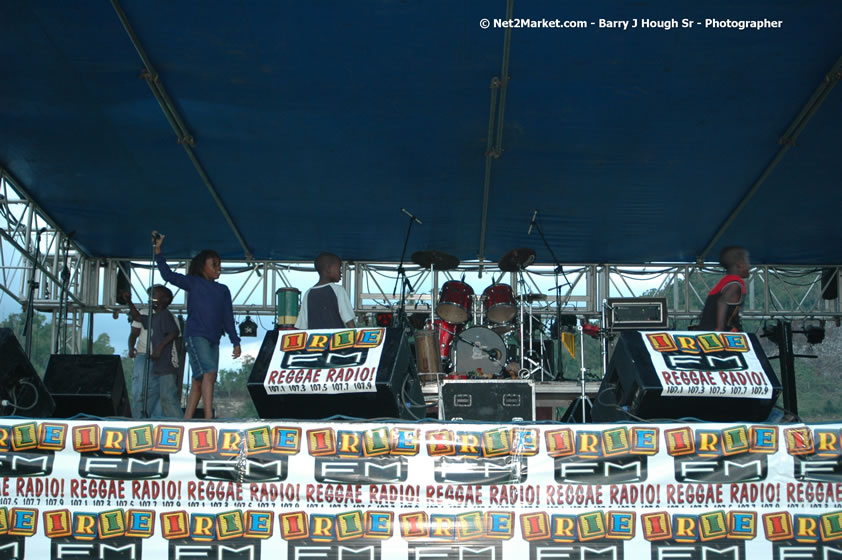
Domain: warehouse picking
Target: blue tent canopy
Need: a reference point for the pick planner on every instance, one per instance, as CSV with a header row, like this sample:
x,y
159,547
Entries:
x,y
316,122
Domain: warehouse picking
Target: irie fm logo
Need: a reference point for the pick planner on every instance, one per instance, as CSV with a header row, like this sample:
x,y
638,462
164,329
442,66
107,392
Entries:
x,y
613,456
256,454
377,455
329,350
733,454
29,449
495,456
701,352
816,453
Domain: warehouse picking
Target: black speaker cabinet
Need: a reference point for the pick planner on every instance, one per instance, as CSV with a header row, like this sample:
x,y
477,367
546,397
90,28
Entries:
x,y
487,400
19,382
398,393
703,375
87,384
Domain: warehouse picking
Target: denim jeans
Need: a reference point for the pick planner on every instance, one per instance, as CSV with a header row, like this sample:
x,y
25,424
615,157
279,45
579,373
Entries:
x,y
136,397
163,397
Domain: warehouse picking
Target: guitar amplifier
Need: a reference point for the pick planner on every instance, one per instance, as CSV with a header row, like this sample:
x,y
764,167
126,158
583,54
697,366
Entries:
x,y
637,313
491,400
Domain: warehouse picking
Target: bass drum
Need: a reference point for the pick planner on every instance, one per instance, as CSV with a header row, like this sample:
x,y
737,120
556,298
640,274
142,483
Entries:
x,y
479,350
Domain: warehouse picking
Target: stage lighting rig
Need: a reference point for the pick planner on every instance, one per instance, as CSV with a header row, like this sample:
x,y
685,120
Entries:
x,y
248,328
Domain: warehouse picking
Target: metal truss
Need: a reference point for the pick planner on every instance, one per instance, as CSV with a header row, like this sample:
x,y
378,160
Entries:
x,y
779,292
35,255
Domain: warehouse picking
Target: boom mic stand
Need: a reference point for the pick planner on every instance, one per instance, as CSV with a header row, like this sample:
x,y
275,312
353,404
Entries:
x,y
402,320
30,299
149,309
61,331
558,268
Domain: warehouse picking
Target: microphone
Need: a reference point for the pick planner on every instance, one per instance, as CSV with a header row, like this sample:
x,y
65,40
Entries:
x,y
411,215
532,223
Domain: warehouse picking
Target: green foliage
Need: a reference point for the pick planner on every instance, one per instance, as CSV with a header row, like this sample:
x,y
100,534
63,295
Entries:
x,y
231,397
41,337
102,345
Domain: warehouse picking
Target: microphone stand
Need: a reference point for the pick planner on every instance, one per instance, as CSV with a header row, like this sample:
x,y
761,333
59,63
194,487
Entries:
x,y
402,320
61,331
30,300
148,364
558,268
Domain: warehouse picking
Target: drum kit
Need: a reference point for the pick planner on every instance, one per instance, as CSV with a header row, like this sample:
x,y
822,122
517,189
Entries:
x,y
489,335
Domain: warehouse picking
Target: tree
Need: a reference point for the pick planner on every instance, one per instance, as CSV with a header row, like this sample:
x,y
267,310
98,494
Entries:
x,y
232,398
102,345
41,337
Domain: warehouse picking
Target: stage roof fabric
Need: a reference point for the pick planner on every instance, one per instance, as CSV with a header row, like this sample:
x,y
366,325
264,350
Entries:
x,y
316,122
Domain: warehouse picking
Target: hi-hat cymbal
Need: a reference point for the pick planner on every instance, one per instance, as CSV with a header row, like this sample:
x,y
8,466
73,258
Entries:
x,y
436,259
517,259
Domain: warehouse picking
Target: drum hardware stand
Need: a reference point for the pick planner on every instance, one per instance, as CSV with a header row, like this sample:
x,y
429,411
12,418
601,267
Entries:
x,y
402,320
583,397
558,268
604,335
536,359
433,299
527,355
522,372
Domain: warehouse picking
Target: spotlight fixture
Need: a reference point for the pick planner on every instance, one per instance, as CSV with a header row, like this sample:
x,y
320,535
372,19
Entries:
x,y
248,328
815,334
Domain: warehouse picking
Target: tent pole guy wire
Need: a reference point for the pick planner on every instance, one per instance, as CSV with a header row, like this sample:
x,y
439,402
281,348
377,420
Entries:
x,y
494,145
184,137
787,140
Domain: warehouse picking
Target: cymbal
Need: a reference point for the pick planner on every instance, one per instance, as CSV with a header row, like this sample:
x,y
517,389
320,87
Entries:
x,y
437,259
535,297
517,259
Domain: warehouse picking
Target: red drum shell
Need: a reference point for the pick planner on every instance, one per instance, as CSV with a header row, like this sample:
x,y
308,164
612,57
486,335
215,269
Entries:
x,y
500,303
454,302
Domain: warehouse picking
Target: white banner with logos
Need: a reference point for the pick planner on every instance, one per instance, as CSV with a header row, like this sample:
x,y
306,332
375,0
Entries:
x,y
328,361
339,490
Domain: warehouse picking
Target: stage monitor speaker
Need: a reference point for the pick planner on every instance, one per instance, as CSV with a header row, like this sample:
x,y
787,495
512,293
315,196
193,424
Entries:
x,y
398,389
488,400
19,382
721,377
87,384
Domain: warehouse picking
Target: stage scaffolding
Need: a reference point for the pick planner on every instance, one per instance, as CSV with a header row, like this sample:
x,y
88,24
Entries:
x,y
775,291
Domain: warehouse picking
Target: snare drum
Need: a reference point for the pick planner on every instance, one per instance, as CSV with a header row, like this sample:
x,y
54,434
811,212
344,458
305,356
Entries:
x,y
454,302
481,350
500,303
